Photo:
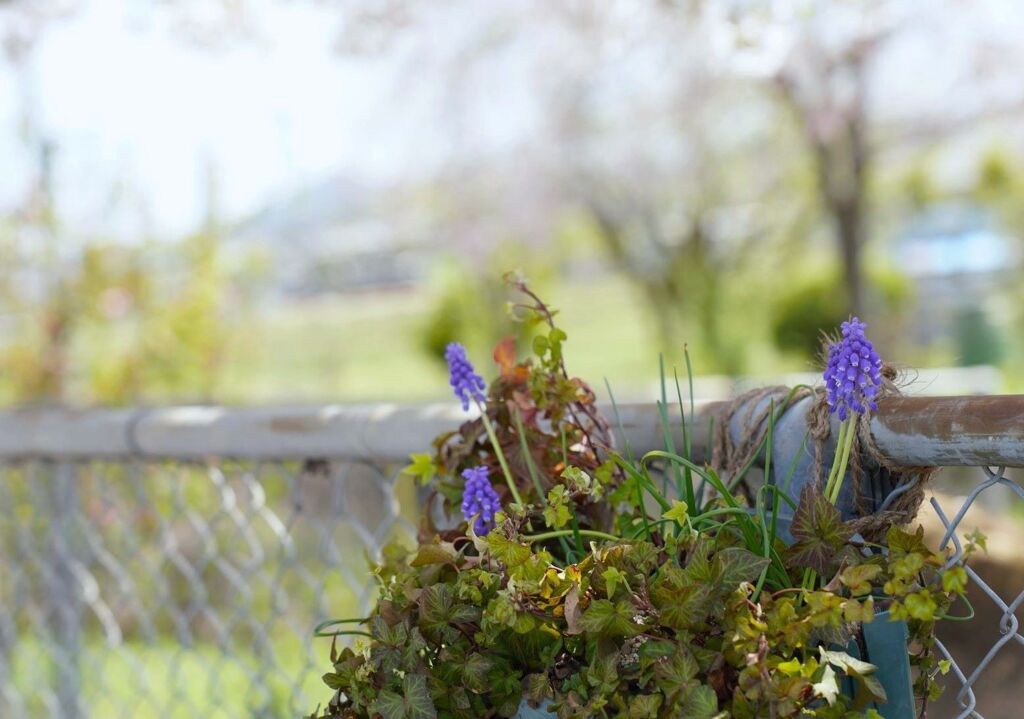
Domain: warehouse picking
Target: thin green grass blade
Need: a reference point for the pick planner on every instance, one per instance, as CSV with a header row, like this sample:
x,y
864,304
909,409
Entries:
x,y
534,474
691,499
666,431
618,420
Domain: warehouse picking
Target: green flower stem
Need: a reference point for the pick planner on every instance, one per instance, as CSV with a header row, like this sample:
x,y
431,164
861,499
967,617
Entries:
x,y
532,468
851,434
718,512
525,447
570,532
840,440
844,443
810,579
501,456
320,629
348,633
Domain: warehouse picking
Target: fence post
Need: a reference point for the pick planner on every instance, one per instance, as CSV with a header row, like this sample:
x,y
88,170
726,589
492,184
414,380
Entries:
x,y
65,596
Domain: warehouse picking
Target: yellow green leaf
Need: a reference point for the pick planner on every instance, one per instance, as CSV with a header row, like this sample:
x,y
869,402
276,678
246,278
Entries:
x,y
677,512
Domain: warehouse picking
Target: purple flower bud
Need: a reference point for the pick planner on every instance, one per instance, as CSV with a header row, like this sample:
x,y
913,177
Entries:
x,y
853,375
466,383
479,500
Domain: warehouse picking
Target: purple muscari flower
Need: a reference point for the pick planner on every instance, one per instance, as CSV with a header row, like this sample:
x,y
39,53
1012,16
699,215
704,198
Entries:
x,y
479,500
854,372
464,380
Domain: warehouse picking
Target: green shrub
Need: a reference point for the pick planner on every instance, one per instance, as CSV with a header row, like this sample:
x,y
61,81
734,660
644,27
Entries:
x,y
817,302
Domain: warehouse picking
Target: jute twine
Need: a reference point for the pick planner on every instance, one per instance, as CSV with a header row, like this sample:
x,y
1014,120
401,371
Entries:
x,y
753,410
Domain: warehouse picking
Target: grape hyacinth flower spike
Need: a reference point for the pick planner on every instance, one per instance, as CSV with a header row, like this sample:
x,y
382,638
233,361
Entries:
x,y
854,372
853,377
465,382
479,500
469,386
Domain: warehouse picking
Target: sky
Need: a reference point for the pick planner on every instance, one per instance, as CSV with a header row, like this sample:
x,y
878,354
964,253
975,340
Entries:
x,y
141,116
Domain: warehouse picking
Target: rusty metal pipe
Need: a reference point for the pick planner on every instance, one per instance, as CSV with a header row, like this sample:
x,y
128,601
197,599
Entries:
x,y
951,431
939,431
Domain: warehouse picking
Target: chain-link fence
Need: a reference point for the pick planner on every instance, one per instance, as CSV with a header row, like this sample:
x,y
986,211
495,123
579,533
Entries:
x,y
988,652
173,563
180,589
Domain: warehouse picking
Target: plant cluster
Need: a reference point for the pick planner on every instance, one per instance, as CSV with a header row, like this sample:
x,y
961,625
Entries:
x,y
610,586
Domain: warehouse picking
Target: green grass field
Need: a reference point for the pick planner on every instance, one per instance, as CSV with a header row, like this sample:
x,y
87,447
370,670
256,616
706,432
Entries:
x,y
163,679
368,348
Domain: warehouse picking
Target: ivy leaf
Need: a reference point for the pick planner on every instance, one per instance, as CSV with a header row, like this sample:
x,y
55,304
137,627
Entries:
x,y
698,565
869,689
975,539
474,672
603,673
681,602
735,565
902,542
556,513
439,612
536,688
828,687
577,480
434,554
858,578
676,673
818,529
396,647
510,553
954,579
677,513
701,703
920,605
414,702
610,620
612,577
859,610
389,705
422,467
851,665
644,706
654,650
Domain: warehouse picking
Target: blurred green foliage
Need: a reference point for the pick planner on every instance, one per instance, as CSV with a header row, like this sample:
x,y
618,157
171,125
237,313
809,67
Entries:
x,y
802,310
977,340
473,307
116,323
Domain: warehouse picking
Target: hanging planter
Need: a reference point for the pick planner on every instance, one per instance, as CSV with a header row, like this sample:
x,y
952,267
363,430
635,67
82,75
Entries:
x,y
885,645
567,579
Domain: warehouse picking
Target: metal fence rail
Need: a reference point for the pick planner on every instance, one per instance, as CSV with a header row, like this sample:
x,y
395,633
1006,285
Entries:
x,y
172,562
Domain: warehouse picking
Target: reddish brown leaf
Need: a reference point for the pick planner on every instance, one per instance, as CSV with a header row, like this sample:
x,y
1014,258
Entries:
x,y
505,357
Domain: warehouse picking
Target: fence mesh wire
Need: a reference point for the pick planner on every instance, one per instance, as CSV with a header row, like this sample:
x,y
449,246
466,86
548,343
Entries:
x,y
178,589
994,624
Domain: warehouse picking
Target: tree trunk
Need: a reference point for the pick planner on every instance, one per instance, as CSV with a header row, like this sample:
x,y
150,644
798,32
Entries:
x,y
849,225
